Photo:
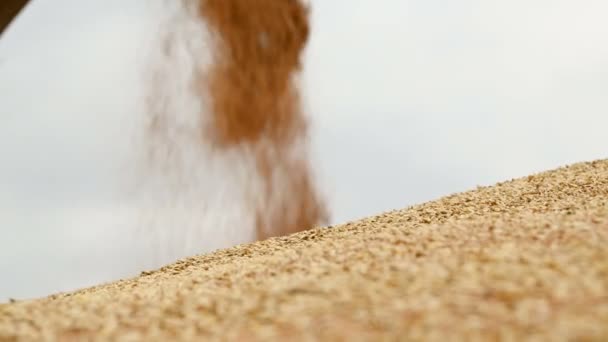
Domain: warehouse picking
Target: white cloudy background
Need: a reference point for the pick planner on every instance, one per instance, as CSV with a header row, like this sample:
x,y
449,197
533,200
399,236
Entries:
x,y
412,100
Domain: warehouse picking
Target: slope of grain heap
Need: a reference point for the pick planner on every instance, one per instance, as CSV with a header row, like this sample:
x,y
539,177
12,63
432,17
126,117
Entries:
x,y
520,260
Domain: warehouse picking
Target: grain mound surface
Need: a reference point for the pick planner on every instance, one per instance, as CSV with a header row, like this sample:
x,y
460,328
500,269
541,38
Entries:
x,y
525,259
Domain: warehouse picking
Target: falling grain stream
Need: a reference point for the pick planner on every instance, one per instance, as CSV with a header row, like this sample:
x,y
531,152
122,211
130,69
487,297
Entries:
x,y
253,104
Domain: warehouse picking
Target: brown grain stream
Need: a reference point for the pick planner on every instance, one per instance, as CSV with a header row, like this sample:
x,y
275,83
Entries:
x,y
257,53
255,102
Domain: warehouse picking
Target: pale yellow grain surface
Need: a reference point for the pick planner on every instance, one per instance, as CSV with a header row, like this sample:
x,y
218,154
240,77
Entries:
x,y
522,260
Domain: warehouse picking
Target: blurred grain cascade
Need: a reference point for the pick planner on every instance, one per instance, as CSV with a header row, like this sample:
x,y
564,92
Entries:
x,y
254,106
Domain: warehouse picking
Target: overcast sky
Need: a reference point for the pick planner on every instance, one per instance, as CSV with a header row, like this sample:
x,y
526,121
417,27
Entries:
x,y
411,100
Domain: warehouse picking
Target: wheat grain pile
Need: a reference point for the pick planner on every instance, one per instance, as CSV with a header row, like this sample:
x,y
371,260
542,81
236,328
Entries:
x,y
521,260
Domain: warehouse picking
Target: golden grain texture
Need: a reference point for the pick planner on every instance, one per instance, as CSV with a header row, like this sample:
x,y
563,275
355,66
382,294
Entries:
x,y
522,260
